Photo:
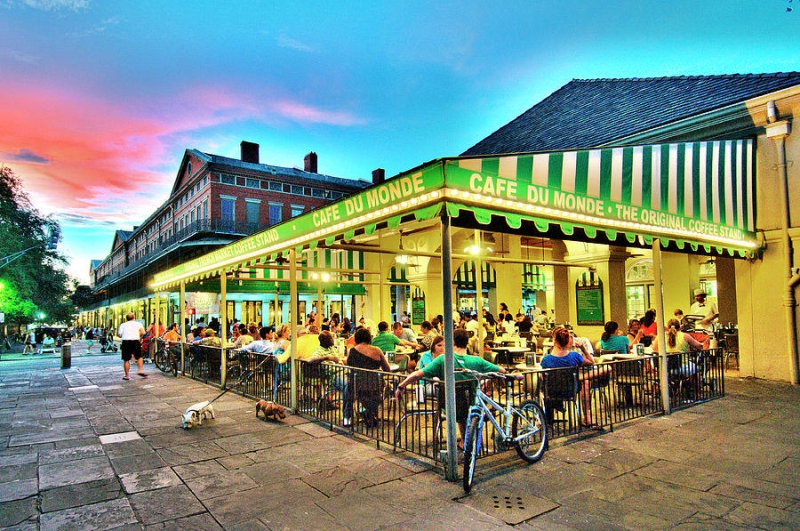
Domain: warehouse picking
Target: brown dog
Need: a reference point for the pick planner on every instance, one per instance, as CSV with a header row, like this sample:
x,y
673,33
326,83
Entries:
x,y
270,409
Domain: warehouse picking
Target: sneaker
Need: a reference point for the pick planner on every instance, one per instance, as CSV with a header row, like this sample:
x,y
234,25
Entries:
x,y
347,422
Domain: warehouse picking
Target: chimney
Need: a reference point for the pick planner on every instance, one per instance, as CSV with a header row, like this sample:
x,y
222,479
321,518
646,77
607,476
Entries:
x,y
378,176
310,163
249,152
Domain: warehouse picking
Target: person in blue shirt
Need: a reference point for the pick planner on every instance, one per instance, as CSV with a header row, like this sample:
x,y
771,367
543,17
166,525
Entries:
x,y
612,338
563,355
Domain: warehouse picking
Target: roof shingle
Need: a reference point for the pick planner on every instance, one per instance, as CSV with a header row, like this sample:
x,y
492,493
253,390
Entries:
x,y
587,113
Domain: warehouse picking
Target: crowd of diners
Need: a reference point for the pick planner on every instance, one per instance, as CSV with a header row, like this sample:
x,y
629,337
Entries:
x,y
366,345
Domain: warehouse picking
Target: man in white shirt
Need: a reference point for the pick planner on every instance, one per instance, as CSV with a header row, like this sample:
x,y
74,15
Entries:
x,y
707,310
131,333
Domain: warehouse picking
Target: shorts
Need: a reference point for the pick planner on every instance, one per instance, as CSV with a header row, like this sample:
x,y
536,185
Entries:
x,y
131,348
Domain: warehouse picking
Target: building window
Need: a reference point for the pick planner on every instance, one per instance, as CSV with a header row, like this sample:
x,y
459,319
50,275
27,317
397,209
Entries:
x,y
317,192
275,186
227,179
296,190
253,207
228,210
275,213
297,210
252,183
205,209
189,171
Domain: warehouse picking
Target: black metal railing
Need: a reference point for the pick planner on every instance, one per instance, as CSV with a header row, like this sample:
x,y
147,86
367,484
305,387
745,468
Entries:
x,y
576,400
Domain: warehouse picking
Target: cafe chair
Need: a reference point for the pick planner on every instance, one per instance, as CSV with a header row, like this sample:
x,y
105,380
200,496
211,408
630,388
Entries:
x,y
561,394
401,360
629,377
503,358
313,378
731,348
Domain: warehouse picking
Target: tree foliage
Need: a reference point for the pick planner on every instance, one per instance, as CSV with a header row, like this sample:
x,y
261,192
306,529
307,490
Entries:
x,y
31,272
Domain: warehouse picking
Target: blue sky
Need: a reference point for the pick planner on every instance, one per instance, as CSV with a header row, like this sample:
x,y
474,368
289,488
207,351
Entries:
x,y
99,100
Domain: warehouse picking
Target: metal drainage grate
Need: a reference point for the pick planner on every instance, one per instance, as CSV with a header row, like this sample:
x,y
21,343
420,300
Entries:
x,y
509,503
513,508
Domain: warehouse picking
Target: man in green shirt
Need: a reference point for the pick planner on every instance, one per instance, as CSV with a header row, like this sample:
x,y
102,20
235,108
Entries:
x,y
464,393
385,340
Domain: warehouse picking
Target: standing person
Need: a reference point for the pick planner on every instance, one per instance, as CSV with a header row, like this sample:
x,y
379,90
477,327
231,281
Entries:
x,y
30,343
707,311
89,339
131,333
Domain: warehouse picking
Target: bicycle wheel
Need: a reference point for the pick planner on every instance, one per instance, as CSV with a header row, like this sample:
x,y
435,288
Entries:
x,y
530,426
161,360
471,449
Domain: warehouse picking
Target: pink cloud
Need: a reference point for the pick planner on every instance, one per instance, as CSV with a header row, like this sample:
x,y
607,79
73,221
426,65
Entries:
x,y
75,147
107,161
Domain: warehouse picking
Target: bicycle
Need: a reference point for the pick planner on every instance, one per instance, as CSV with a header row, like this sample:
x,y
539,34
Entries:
x,y
523,427
164,358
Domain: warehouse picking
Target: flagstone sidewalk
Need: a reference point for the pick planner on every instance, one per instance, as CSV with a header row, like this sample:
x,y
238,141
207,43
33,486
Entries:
x,y
82,449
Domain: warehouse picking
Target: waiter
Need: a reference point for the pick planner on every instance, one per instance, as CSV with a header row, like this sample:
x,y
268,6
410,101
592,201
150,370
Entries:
x,y
707,311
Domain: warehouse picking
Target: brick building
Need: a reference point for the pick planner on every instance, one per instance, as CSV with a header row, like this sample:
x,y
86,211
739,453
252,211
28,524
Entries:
x,y
214,201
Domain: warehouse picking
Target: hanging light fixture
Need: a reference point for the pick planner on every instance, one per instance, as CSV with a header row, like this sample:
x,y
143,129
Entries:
x,y
401,258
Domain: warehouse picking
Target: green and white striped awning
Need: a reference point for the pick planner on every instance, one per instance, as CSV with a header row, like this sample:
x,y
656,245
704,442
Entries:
x,y
698,194
702,193
533,277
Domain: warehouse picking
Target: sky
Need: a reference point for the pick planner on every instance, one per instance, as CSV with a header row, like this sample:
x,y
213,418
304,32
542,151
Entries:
x,y
100,99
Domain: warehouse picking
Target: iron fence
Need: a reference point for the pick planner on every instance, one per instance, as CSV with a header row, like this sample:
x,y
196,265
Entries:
x,y
576,400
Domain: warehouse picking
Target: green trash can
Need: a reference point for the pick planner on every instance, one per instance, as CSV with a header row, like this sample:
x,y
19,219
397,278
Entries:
x,y
66,356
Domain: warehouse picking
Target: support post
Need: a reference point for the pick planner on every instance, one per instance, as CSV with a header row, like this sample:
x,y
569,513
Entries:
x,y
451,468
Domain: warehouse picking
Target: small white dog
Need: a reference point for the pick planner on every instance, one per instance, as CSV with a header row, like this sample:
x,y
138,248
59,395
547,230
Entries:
x,y
196,413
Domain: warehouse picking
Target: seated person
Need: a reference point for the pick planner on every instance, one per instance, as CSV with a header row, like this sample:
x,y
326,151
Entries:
x,y
406,335
648,330
437,349
564,354
679,342
612,338
633,330
48,343
427,333
435,369
244,338
368,385
385,340
307,343
211,339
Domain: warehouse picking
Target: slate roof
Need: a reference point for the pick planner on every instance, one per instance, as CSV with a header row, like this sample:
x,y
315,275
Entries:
x,y
280,170
588,113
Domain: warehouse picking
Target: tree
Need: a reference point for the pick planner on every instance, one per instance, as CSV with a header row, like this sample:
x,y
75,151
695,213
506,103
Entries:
x,y
31,270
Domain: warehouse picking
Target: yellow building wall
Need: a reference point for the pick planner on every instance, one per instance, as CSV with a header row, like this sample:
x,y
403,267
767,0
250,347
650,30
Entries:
x,y
761,283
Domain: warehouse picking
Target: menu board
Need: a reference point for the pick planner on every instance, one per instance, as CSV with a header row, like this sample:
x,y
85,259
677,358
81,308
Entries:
x,y
589,304
417,310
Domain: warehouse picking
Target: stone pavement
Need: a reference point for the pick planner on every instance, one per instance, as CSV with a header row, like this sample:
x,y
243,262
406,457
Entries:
x,y
80,449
